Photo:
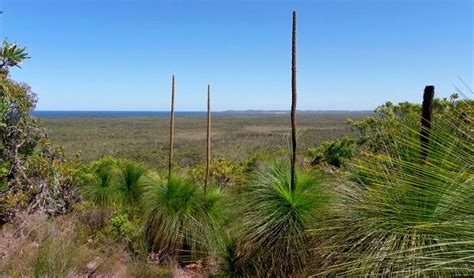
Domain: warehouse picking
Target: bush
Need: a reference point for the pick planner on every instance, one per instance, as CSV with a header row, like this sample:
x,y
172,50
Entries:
x,y
112,182
379,133
273,224
130,187
223,173
121,226
33,173
181,221
334,153
99,180
407,216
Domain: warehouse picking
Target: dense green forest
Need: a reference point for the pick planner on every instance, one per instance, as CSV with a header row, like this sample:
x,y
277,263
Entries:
x,y
393,199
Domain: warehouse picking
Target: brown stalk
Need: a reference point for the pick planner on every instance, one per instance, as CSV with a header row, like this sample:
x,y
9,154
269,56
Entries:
x,y
208,165
293,103
170,156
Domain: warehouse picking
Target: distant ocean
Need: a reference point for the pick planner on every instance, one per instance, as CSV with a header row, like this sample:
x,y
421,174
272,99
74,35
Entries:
x,y
118,114
102,114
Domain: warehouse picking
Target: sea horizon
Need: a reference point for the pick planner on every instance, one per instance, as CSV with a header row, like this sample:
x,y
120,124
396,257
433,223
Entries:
x,y
122,113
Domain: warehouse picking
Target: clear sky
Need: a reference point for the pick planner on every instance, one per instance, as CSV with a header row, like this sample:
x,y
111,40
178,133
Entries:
x,y
120,55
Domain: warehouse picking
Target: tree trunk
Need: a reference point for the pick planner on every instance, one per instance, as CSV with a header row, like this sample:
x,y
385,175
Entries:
x,y
426,113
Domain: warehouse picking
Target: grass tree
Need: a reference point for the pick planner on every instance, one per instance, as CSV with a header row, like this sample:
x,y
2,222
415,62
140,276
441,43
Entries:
x,y
407,218
112,182
182,222
275,220
426,115
130,187
281,202
99,182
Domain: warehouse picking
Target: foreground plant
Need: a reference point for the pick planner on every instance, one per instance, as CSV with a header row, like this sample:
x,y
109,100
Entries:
x,y
278,208
34,175
130,188
110,181
181,221
99,181
411,211
275,219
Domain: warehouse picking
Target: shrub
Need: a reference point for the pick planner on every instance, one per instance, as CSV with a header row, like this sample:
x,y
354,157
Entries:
x,y
378,133
33,174
99,181
334,153
223,173
131,189
181,221
272,231
109,181
408,217
121,226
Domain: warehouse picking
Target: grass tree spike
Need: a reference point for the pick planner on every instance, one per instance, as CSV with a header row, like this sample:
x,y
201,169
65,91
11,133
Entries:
x,y
208,164
293,103
170,156
426,115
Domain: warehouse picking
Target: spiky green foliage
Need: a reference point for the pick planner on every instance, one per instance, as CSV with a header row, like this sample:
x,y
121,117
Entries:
x,y
272,232
99,181
11,55
181,221
406,216
229,259
111,181
131,188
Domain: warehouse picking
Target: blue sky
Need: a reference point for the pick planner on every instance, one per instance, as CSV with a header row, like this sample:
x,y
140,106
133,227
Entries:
x,y
120,55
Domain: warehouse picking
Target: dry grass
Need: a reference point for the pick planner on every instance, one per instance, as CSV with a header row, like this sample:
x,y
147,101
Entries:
x,y
72,245
32,245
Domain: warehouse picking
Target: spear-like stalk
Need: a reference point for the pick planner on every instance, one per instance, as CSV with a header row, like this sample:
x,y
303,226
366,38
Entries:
x,y
170,156
293,103
426,115
208,165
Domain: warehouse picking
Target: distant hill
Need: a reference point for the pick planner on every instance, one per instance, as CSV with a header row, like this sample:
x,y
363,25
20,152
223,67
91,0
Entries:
x,y
288,111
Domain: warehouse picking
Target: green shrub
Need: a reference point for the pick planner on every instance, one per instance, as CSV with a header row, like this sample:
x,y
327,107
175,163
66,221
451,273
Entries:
x,y
112,182
131,189
334,153
223,173
121,226
408,217
181,221
99,181
380,132
31,170
273,224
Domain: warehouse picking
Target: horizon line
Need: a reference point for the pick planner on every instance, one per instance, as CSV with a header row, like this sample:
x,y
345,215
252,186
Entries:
x,y
219,111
